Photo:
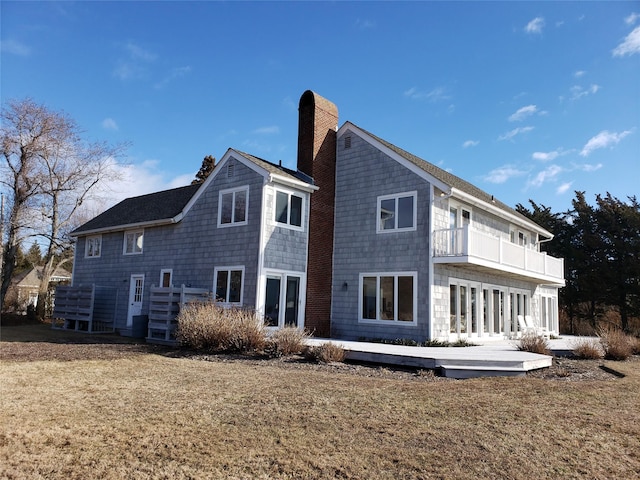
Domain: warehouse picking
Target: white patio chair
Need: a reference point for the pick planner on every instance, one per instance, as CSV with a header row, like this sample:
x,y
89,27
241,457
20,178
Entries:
x,y
524,328
532,326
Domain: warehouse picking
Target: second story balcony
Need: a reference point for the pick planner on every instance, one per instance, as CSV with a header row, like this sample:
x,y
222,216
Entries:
x,y
467,246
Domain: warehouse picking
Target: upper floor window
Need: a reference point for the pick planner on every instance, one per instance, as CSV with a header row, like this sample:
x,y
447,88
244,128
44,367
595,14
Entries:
x,y
288,208
133,242
228,284
397,213
93,246
232,206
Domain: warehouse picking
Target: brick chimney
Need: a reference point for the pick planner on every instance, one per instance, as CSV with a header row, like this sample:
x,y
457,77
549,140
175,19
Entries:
x,y
317,131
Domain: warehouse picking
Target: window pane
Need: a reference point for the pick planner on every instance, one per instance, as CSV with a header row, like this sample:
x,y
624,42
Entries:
x,y
405,299
463,309
96,246
296,211
386,298
226,208
453,308
240,206
405,212
236,286
221,286
282,200
291,307
129,242
139,238
387,214
272,302
369,298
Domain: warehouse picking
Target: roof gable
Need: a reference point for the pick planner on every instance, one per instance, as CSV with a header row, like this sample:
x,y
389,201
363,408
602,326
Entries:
x,y
445,180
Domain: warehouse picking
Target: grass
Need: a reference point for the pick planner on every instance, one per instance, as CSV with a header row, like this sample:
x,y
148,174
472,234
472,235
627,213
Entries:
x,y
154,415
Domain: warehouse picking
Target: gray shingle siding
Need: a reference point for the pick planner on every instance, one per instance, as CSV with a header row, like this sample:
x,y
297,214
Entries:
x,y
363,173
192,248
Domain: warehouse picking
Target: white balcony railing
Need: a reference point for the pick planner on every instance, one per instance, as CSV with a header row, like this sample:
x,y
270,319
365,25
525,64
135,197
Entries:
x,y
479,247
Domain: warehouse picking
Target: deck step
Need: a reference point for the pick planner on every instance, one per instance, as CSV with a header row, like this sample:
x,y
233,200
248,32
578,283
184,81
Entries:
x,y
474,371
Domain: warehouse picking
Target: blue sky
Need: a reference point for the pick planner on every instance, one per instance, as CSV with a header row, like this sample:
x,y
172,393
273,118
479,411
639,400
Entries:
x,y
527,100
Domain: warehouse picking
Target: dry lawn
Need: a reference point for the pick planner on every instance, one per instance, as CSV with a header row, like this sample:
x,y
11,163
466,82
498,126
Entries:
x,y
112,411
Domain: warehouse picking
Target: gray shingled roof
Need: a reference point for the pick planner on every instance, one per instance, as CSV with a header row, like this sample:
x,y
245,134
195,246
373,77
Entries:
x,y
145,208
277,169
447,178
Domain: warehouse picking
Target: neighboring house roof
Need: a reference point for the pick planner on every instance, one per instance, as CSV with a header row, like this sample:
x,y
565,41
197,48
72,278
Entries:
x,y
452,180
168,206
31,278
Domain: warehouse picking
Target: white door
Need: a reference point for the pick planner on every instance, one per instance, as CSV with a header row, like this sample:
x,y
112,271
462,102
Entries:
x,y
282,300
136,289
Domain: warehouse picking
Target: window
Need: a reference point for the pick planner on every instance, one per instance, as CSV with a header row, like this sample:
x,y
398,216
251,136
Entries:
x,y
232,207
288,208
388,297
228,284
166,275
133,242
397,213
93,246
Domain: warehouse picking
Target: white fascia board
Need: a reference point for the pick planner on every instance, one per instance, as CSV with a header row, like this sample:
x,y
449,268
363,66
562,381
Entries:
x,y
395,156
129,226
290,182
515,219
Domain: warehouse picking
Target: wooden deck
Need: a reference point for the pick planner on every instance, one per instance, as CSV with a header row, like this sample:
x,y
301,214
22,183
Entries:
x,y
491,358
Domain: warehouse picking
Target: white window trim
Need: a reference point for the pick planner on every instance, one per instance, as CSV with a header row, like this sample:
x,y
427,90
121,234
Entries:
x,y
395,322
124,242
86,246
229,269
396,196
233,191
302,207
170,272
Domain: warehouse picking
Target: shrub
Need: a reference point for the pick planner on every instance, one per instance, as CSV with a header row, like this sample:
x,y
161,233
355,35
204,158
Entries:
x,y
287,341
635,345
534,344
327,353
615,343
588,349
211,327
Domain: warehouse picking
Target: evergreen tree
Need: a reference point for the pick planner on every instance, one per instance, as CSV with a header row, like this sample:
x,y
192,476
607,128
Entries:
x,y
208,164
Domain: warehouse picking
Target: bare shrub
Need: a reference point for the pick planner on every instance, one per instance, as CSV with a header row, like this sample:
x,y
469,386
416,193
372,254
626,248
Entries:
x,y
327,353
211,327
588,348
635,345
287,341
616,344
534,344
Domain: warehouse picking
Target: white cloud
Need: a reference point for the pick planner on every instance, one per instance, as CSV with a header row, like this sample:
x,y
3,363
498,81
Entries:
x,y
134,63
470,143
512,133
630,45
563,188
523,113
176,73
15,48
548,174
435,95
535,26
579,73
109,124
602,140
586,167
270,130
631,19
545,156
502,174
578,92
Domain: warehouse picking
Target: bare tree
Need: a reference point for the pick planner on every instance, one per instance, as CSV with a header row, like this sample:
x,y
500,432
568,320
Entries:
x,y
49,170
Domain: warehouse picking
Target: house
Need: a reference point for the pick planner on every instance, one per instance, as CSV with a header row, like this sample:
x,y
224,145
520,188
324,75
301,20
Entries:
x,y
23,291
363,240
